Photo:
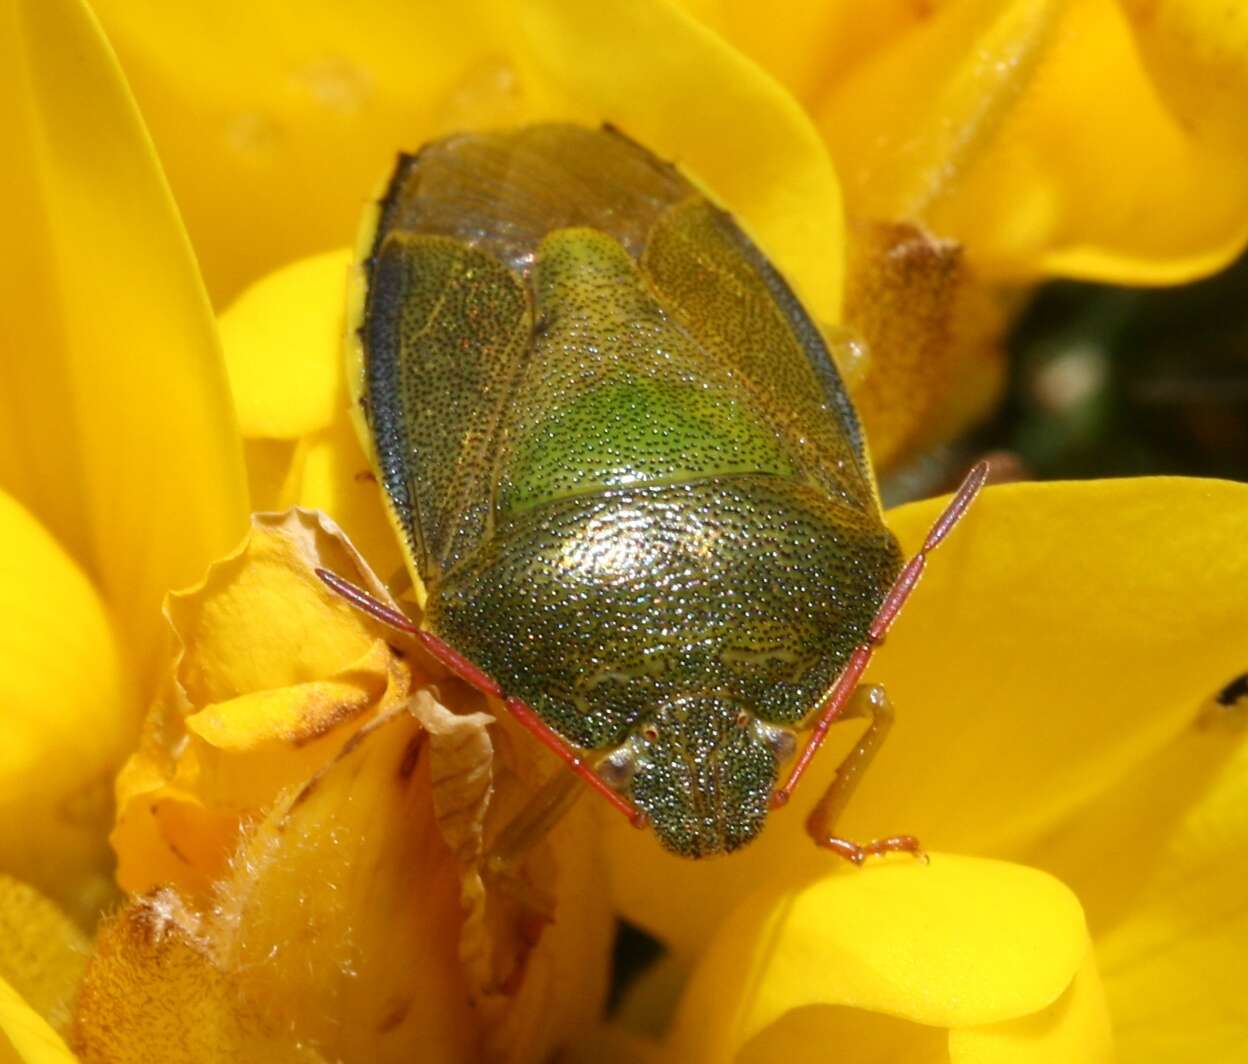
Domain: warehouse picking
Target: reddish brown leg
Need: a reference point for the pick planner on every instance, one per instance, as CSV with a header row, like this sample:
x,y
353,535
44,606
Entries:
x,y
456,663
873,702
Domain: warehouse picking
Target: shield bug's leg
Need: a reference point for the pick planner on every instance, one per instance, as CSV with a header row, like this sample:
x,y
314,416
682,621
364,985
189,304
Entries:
x,y
889,608
871,701
538,815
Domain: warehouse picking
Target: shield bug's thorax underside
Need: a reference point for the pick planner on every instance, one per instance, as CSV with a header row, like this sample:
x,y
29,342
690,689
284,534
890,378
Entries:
x,y
629,481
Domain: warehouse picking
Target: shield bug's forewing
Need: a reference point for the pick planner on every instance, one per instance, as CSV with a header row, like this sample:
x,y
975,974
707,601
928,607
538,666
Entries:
x,y
634,496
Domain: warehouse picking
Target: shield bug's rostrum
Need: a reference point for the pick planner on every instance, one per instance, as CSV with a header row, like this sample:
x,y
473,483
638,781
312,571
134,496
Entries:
x,y
634,497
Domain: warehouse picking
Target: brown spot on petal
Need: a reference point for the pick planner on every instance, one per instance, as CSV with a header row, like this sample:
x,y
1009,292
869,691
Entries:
x,y
408,765
932,333
395,1017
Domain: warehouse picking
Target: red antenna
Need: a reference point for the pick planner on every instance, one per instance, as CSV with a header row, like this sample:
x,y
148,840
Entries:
x,y
889,608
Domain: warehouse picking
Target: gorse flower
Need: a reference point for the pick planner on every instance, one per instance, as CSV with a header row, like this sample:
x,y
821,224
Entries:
x,y
1097,139
304,803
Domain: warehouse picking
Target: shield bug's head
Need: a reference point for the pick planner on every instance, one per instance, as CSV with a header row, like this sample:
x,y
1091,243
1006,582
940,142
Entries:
x,y
702,770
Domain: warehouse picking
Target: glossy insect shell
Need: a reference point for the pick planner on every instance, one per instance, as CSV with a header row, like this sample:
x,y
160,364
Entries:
x,y
628,479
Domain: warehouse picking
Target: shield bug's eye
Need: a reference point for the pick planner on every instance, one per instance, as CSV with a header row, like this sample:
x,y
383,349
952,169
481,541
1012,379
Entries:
x,y
618,768
743,719
650,733
783,741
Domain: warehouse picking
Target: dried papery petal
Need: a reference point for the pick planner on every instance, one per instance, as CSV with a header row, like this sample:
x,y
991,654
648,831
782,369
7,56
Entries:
x,y
535,934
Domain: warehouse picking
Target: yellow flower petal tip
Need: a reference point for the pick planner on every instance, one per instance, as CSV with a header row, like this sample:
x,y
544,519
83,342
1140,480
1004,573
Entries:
x,y
118,431
282,340
69,716
960,942
1074,1029
42,952
25,1036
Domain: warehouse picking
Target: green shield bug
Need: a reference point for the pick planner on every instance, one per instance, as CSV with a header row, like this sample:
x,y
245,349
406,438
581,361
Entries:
x,y
634,497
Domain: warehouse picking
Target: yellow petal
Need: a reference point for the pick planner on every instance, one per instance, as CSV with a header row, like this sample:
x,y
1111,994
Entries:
x,y
270,466
334,476
905,126
1160,859
276,161
274,674
750,144
1198,54
809,42
117,429
42,952
1074,1029
962,942
282,340
69,715
25,1037
1061,635
341,918
258,622
966,123
806,1035
242,750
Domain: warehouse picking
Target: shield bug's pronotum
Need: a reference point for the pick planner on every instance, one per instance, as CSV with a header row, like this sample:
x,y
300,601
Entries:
x,y
635,499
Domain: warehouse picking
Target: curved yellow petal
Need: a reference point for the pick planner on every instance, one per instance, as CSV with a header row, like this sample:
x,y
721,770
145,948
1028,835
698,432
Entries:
x,y
69,715
273,674
960,942
814,1034
738,132
334,476
276,161
1160,859
1063,634
1075,1029
25,1037
1033,133
1197,53
282,340
117,427
42,952
808,43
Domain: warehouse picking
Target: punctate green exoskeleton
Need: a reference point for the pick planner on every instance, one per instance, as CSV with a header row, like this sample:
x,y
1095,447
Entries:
x,y
634,497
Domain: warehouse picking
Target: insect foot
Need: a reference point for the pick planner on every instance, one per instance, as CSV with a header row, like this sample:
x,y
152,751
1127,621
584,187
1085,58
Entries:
x,y
858,855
